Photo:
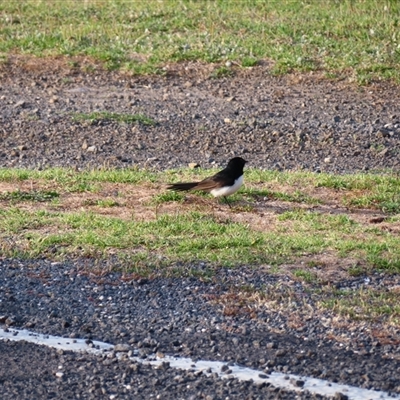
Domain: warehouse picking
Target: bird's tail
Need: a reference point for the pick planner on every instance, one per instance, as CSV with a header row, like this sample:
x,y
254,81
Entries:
x,y
181,187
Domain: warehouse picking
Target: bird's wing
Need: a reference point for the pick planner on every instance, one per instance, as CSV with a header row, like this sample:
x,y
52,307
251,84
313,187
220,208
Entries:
x,y
216,181
182,186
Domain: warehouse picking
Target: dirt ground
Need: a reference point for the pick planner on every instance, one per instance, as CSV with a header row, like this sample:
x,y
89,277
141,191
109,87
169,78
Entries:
x,y
289,122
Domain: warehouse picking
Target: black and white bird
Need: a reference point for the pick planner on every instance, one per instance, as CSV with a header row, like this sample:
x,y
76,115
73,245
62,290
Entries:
x,y
222,184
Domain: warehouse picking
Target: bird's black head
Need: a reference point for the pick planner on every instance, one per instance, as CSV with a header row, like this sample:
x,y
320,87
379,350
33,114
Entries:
x,y
236,162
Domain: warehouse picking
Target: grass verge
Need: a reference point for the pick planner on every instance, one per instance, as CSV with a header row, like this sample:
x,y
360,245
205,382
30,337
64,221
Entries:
x,y
317,228
331,36
59,212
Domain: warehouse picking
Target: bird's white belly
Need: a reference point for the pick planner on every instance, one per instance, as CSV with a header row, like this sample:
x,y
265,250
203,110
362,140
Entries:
x,y
227,190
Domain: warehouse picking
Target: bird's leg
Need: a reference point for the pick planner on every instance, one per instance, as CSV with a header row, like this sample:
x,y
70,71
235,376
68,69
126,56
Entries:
x,y
227,202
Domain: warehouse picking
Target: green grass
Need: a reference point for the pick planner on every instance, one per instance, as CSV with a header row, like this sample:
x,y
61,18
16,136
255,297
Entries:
x,y
314,232
221,72
202,235
356,270
195,236
106,203
73,181
372,190
380,191
189,237
168,196
349,36
33,195
304,275
95,117
374,304
364,304
361,190
296,197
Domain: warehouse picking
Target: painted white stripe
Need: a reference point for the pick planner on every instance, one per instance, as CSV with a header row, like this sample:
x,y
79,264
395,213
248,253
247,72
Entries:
x,y
277,379
55,342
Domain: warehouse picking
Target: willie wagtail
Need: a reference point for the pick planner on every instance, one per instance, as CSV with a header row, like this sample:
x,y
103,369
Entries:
x,y
223,183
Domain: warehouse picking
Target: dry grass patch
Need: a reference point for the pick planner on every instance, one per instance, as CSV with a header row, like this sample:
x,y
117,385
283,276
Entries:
x,y
370,312
132,202
325,268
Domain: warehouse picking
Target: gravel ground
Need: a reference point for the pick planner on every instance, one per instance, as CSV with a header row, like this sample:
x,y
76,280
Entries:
x,y
175,316
292,122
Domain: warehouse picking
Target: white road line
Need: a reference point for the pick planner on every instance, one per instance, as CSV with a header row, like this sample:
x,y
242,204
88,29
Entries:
x,y
277,379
